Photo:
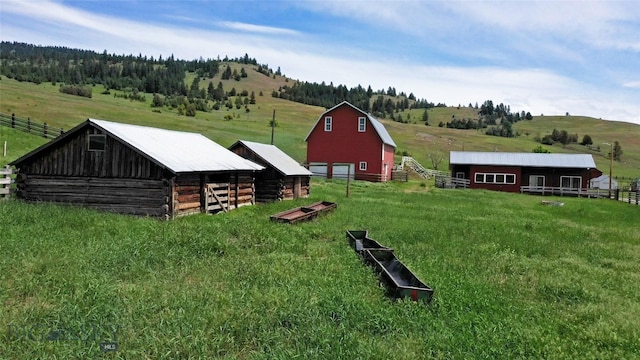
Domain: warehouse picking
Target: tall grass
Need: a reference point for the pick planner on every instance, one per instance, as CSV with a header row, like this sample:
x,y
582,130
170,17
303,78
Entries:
x,y
512,279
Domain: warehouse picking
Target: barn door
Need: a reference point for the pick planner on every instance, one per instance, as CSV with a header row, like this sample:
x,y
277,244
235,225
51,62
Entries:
x,y
341,171
217,197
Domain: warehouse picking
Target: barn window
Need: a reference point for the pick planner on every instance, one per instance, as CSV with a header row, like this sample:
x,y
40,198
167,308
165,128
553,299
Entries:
x,y
327,123
97,142
362,124
363,165
479,178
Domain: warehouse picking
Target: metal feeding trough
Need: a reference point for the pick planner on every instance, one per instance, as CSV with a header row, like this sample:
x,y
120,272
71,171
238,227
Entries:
x,y
304,212
399,280
360,241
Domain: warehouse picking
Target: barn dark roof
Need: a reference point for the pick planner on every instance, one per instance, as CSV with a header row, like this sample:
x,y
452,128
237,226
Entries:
x,y
177,151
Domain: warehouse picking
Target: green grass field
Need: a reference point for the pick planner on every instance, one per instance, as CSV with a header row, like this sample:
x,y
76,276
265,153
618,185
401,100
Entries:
x,y
513,279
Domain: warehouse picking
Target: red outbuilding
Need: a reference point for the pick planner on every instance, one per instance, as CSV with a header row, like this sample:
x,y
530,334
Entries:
x,y
346,140
524,172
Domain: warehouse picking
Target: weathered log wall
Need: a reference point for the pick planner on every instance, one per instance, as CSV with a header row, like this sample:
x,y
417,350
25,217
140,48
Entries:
x,y
282,188
126,196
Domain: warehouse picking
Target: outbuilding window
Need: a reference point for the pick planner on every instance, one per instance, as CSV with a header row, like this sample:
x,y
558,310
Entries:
x,y
495,178
571,182
97,142
363,165
327,123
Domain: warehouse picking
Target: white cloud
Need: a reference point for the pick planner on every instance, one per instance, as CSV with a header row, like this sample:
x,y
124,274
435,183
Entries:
x,y
257,28
523,87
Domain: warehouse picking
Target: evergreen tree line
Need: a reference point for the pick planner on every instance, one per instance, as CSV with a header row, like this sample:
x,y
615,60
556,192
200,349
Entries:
x,y
385,104
26,62
499,119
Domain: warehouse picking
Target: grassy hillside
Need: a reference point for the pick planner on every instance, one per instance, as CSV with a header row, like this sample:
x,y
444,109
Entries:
x,y
44,103
18,144
512,279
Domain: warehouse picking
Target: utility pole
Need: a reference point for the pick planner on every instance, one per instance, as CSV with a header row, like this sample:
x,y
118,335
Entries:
x,y
610,167
273,125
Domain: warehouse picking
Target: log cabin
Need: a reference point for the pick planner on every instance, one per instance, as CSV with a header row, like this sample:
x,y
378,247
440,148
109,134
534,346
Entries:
x,y
283,177
136,170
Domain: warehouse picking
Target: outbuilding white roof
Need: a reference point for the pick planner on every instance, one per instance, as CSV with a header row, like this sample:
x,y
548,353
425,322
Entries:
x,y
582,161
276,158
177,150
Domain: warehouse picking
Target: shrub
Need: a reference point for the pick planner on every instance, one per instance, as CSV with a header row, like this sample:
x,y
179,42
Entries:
x,y
84,91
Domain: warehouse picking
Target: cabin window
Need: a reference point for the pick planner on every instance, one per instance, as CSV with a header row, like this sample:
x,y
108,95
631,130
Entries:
x,y
495,178
363,165
571,182
327,123
362,124
97,142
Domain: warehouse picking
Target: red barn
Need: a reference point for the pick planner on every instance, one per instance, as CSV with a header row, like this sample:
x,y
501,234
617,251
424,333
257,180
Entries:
x,y
346,140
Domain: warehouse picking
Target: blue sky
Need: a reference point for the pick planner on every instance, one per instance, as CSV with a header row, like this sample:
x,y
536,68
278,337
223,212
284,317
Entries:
x,y
549,57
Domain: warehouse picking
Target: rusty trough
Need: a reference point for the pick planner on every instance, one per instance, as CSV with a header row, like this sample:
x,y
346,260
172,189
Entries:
x,y
304,212
399,280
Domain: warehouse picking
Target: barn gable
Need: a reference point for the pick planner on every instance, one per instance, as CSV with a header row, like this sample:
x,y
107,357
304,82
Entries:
x,y
377,125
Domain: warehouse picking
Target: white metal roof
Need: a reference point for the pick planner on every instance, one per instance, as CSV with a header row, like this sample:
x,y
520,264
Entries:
x,y
276,158
377,125
177,150
582,161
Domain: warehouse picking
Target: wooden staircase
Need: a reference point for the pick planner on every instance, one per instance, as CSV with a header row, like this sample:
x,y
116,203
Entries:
x,y
419,169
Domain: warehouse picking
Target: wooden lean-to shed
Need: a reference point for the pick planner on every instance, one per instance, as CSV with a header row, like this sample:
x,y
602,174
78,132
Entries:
x,y
283,177
136,170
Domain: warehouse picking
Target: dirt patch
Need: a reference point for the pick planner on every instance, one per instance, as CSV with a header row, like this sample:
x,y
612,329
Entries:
x,y
426,137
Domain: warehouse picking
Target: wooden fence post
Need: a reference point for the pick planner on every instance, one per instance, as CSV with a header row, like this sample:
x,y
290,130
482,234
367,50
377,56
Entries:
x,y
44,129
13,120
29,124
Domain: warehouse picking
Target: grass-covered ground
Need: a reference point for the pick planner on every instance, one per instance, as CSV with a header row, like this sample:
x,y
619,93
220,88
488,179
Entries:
x,y
513,279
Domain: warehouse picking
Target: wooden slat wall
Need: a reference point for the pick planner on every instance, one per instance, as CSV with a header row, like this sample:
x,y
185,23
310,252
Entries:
x,y
241,190
72,158
193,193
127,196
